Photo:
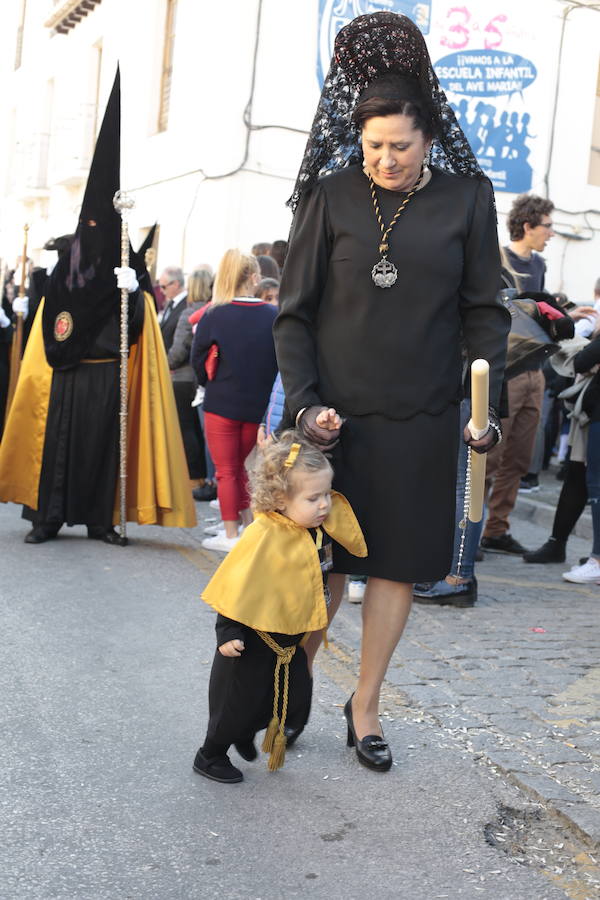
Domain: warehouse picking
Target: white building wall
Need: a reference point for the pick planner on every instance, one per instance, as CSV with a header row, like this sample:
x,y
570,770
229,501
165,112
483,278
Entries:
x,y
180,177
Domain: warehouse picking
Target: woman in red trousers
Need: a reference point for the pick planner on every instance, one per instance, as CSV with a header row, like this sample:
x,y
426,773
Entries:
x,y
235,336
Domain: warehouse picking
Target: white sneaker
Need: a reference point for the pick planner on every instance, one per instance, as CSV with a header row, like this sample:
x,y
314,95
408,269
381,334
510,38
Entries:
x,y
215,529
220,542
356,591
214,504
588,573
219,528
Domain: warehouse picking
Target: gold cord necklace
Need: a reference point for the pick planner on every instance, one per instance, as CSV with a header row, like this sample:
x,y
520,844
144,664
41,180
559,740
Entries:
x,y
384,273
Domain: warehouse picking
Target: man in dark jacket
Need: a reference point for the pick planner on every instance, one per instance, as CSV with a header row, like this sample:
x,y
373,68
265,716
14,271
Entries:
x,y
530,228
171,283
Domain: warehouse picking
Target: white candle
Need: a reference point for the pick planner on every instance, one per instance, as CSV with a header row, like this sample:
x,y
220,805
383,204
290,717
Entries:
x,y
480,392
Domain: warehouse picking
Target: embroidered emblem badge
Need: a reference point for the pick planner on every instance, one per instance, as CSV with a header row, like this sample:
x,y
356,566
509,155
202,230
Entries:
x,y
63,326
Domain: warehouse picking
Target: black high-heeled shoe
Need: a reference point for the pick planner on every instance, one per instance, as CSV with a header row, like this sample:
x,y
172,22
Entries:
x,y
373,751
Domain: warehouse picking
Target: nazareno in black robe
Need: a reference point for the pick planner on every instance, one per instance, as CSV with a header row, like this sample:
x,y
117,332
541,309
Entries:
x,y
81,447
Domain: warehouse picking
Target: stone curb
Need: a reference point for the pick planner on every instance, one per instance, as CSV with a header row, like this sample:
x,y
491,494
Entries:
x,y
562,803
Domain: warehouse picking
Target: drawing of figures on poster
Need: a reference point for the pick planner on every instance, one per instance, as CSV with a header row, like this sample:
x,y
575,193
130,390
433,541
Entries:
x,y
482,55
334,14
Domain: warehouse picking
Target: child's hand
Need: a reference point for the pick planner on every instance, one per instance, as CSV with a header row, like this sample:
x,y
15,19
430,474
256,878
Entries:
x,y
232,648
261,437
329,419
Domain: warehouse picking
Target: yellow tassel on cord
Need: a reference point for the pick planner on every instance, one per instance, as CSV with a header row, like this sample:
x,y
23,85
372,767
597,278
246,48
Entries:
x,y
325,641
270,735
275,740
277,757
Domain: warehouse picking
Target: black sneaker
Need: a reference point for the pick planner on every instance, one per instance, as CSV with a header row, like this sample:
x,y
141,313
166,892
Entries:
x,y
529,484
217,768
505,543
552,551
292,734
204,493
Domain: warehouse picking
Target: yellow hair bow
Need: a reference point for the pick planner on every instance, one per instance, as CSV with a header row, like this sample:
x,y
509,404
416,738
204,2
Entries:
x,y
292,456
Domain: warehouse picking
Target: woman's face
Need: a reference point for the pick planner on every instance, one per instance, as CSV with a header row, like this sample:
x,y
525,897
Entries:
x,y
393,151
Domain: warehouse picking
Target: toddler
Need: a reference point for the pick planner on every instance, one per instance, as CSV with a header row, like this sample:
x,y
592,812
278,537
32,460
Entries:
x,y
270,592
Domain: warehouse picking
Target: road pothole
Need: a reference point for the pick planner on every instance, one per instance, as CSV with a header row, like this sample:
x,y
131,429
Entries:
x,y
531,837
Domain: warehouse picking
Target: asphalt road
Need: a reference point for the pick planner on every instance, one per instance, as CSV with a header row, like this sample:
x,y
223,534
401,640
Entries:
x,y
104,676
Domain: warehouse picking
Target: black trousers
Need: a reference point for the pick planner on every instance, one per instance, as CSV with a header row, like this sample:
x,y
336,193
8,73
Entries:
x,y
572,500
240,694
191,432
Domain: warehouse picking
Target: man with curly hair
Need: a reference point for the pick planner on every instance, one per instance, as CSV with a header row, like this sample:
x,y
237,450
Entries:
x,y
529,225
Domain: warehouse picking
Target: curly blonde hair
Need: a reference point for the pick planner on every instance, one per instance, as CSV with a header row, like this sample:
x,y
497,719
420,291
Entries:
x,y
272,481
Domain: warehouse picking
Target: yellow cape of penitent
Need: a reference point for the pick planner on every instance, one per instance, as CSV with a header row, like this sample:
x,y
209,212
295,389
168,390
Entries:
x,y
271,580
158,487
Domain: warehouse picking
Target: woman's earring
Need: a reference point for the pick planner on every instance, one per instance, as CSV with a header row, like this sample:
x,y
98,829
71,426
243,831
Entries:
x,y
427,158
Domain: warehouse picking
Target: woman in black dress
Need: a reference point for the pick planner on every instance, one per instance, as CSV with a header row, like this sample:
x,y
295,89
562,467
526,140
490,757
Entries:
x,y
393,265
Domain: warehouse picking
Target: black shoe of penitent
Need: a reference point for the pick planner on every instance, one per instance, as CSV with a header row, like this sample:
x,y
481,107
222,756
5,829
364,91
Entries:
x,y
39,535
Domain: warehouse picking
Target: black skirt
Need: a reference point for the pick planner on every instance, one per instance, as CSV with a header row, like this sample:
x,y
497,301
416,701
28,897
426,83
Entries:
x,y
400,478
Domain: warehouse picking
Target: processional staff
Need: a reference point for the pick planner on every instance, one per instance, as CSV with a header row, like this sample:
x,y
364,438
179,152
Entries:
x,y
17,341
123,204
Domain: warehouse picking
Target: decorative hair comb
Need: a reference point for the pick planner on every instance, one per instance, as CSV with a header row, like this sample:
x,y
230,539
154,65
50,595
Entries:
x,y
292,456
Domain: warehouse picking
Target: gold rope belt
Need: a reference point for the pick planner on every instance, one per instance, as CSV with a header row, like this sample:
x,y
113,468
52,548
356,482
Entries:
x,y
112,359
275,739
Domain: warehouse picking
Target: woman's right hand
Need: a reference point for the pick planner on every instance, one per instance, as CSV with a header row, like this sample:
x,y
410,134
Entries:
x,y
321,426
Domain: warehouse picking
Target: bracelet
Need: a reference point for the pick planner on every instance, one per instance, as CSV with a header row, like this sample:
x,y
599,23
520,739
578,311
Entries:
x,y
498,431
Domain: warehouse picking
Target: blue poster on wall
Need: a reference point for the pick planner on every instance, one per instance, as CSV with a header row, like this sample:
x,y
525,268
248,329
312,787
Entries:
x,y
485,81
334,14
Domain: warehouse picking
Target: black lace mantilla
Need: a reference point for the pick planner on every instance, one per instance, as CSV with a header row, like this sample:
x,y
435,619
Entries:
x,y
371,46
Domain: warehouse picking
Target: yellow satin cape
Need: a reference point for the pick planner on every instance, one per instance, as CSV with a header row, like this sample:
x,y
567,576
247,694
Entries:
x,y
158,487
272,581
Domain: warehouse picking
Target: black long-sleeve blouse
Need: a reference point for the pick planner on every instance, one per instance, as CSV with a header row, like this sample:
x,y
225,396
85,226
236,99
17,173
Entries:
x,y
344,342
